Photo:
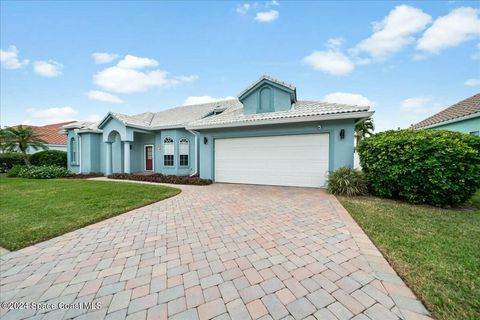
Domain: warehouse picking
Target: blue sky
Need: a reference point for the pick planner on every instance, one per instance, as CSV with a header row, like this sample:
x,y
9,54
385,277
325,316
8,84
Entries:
x,y
79,60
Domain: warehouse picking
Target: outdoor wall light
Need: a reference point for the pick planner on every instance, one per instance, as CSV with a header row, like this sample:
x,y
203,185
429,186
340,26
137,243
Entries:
x,y
319,127
205,140
342,134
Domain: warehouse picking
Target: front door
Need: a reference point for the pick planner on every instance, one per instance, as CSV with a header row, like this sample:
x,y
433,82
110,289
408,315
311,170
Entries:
x,y
148,158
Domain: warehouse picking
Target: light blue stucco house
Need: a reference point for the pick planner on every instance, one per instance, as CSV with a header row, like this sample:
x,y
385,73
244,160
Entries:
x,y
463,116
266,136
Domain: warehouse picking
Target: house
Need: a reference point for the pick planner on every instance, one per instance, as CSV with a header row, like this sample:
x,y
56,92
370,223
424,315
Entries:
x,y
463,116
266,136
51,134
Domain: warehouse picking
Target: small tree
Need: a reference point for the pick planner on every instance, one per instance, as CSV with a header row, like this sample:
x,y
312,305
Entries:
x,y
19,138
364,129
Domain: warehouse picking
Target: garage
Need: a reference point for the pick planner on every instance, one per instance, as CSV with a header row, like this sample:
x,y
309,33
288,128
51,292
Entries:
x,y
292,160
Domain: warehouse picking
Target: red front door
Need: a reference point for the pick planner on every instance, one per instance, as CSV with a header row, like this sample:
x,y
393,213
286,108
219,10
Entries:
x,y
148,158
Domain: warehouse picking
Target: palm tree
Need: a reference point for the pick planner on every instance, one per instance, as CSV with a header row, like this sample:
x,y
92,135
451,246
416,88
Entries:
x,y
364,129
19,138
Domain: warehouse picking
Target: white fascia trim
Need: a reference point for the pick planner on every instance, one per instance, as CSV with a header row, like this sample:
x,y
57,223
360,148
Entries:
x,y
438,124
336,116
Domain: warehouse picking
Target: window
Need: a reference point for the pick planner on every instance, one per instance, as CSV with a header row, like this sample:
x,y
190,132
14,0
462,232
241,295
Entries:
x,y
168,152
184,151
475,133
73,150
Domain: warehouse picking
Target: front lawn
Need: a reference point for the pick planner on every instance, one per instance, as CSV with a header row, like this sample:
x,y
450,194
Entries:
x,y
35,210
436,251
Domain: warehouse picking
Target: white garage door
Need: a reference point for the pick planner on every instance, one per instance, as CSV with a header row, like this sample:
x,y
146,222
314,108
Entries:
x,y
295,160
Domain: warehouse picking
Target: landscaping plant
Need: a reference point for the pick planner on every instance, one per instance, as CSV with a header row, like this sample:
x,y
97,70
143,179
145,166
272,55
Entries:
x,y
160,178
20,138
436,167
43,172
9,159
49,158
347,182
15,170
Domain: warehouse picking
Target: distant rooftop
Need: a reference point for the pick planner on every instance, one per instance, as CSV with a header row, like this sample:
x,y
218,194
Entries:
x,y
459,110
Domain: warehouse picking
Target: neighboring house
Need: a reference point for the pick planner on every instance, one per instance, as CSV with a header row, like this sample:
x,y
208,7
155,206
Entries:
x,y
463,116
51,134
266,136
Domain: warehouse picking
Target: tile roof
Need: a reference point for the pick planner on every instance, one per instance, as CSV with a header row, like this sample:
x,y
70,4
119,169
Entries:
x,y
302,108
50,132
265,77
461,109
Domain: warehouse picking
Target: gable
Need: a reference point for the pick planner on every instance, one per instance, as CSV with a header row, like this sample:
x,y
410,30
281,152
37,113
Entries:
x,y
267,96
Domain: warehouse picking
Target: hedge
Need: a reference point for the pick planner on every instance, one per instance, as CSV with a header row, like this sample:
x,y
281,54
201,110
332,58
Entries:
x,y
436,167
9,159
49,158
43,172
160,178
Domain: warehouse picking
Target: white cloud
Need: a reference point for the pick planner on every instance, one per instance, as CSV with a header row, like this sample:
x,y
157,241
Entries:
x,y
267,16
9,58
203,99
394,32
134,62
331,61
243,8
460,25
472,82
126,78
52,115
103,96
416,105
104,57
48,69
348,98
189,78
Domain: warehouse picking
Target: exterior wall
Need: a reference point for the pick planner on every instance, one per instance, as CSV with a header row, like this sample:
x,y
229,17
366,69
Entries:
x,y
465,126
280,99
176,169
137,154
341,150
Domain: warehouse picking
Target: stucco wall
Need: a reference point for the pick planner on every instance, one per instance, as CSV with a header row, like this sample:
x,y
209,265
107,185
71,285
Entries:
x,y
341,150
176,169
465,126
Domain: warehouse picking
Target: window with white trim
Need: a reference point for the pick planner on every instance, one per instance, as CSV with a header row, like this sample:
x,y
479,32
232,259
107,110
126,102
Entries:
x,y
168,152
73,150
184,151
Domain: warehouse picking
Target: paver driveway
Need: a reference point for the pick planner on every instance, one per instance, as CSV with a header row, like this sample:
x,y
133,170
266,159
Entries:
x,y
225,251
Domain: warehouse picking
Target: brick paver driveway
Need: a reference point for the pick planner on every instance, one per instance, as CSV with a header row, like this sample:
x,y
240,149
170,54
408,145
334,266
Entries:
x,y
221,251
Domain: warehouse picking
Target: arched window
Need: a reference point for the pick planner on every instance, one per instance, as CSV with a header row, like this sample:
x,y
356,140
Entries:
x,y
184,151
265,100
168,152
73,150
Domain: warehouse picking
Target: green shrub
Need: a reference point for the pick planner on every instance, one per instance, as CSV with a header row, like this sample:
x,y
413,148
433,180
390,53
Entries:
x,y
15,170
437,167
43,172
9,159
49,158
347,182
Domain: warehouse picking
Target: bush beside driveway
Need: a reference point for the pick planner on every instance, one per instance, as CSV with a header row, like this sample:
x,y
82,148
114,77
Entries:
x,y
35,210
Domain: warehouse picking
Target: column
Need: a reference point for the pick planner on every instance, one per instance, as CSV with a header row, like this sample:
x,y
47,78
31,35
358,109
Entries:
x,y
109,158
126,158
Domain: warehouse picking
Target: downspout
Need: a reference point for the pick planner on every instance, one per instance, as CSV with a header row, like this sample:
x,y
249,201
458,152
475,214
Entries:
x,y
197,156
79,153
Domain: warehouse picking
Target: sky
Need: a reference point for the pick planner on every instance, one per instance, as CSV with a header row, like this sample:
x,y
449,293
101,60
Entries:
x,y
79,60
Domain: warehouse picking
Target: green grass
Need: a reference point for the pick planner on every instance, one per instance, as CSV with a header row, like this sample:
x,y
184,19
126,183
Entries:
x,y
35,210
436,251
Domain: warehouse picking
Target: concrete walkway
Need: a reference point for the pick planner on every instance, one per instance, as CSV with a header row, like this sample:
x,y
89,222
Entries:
x,y
219,251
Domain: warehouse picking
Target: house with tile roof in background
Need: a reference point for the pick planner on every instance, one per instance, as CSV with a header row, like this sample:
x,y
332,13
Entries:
x,y
51,134
463,116
265,136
